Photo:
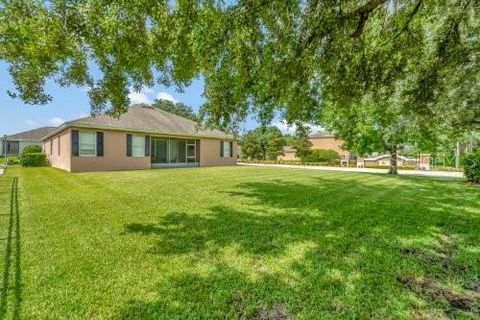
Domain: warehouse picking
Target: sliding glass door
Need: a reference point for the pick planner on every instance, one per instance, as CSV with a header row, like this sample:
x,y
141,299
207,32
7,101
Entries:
x,y
159,150
174,152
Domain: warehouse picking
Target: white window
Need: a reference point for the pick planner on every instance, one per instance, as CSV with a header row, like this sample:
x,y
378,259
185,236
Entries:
x,y
138,146
226,149
87,144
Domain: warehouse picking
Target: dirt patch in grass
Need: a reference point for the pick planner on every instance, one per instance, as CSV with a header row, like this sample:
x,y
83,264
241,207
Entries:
x,y
439,257
277,311
428,289
441,263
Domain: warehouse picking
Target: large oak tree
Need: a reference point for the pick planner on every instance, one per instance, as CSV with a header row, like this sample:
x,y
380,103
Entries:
x,y
296,57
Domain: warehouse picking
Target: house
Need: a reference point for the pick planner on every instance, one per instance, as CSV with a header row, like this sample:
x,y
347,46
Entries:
x,y
384,161
319,140
14,144
142,138
327,141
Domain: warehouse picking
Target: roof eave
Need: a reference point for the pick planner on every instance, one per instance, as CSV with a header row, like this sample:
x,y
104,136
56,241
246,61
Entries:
x,y
67,125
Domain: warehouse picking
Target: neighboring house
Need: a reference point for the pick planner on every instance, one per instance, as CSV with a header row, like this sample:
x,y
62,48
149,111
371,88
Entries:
x,y
144,137
320,140
384,161
15,143
327,141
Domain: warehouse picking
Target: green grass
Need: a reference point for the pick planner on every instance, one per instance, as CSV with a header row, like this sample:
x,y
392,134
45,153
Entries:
x,y
237,243
11,159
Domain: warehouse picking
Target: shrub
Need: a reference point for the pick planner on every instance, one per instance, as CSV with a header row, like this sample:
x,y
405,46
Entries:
x,y
471,166
31,148
320,155
37,159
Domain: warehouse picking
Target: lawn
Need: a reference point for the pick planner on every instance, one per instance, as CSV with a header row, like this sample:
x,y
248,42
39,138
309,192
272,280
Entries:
x,y
237,243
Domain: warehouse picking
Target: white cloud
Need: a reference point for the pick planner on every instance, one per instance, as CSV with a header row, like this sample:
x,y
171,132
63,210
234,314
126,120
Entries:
x,y
31,122
147,95
139,97
285,128
56,121
166,96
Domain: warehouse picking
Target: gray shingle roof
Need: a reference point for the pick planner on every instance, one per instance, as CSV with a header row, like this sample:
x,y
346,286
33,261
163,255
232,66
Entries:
x,y
145,118
32,135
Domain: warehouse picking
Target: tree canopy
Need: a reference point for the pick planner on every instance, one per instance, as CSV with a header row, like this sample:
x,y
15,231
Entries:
x,y
302,144
262,143
256,56
176,108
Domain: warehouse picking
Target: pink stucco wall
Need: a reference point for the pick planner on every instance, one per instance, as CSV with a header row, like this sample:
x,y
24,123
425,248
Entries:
x,y
210,154
115,153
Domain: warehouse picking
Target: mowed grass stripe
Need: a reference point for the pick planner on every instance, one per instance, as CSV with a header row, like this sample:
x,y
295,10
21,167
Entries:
x,y
233,242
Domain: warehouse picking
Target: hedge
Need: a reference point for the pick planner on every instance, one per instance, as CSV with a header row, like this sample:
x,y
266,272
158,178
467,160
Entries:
x,y
31,148
471,166
33,159
320,155
292,162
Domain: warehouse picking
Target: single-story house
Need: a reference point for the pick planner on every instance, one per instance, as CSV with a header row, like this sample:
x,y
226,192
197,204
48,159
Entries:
x,y
142,138
420,163
14,144
319,140
384,160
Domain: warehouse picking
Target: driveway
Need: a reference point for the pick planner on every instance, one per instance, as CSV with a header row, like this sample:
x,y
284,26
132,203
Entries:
x,y
444,174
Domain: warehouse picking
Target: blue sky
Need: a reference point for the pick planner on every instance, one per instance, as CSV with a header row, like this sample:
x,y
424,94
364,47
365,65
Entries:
x,y
72,102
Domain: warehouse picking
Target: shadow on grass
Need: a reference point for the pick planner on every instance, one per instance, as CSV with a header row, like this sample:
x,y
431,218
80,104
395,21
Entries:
x,y
12,283
356,233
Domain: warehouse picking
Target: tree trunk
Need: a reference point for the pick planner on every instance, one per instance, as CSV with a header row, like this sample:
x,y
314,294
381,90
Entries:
x,y
393,161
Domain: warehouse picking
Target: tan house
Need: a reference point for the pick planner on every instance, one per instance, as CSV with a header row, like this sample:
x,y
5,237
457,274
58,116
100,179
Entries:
x,y
144,137
327,141
320,140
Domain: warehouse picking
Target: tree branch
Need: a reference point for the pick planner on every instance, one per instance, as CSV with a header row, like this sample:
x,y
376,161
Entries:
x,y
410,18
362,11
361,24
367,8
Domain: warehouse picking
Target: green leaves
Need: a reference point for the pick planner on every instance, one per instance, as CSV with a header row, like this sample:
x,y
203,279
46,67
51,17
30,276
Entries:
x,y
257,57
176,108
263,143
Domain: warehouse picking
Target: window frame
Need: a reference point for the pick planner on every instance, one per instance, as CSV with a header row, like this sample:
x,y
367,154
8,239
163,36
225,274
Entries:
x,y
142,139
80,143
226,149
